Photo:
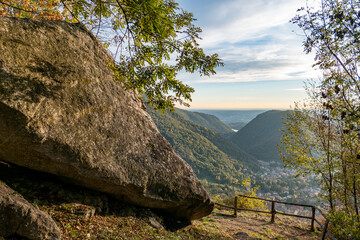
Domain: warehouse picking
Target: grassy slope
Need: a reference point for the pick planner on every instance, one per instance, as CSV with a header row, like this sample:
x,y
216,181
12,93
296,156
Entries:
x,y
249,225
261,136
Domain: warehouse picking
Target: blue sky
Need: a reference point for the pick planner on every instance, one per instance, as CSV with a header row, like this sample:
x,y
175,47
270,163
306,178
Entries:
x,y
265,66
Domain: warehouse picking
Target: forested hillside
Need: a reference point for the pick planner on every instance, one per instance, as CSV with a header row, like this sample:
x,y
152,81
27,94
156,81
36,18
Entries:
x,y
219,162
261,136
233,116
212,156
206,120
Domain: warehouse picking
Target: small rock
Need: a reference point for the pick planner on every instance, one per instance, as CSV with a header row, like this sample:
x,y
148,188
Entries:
x,y
19,217
89,213
242,234
153,222
79,209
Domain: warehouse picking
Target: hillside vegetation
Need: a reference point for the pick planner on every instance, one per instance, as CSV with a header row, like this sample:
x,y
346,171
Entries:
x,y
221,165
206,120
261,136
212,156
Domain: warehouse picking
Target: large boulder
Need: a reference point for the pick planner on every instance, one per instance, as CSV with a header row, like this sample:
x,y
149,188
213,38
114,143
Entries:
x,y
19,217
61,112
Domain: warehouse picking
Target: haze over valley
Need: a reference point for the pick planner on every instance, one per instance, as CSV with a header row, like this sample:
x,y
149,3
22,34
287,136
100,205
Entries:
x,y
221,156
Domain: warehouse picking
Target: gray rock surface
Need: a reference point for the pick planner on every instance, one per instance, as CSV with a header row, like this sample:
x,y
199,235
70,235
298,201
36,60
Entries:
x,y
17,216
61,112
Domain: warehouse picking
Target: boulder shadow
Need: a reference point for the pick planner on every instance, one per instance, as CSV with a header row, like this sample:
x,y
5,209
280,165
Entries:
x,y
47,190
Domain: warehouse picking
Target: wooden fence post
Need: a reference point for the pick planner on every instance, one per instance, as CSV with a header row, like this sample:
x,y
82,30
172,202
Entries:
x,y
273,211
325,229
235,206
313,219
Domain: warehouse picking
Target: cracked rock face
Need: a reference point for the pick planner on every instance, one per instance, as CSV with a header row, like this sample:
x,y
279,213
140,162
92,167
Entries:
x,y
61,112
17,216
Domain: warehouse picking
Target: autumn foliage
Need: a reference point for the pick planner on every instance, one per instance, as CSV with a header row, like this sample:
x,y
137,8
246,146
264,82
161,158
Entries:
x,y
42,9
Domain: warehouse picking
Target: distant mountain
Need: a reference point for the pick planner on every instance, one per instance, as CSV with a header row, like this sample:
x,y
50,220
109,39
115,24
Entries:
x,y
206,120
212,156
232,116
261,136
237,125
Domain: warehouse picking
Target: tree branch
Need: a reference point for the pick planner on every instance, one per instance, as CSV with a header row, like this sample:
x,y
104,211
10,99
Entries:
x,y
65,6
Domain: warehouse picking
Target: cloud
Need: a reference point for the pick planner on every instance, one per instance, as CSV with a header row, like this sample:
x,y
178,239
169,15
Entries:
x,y
234,21
262,67
254,39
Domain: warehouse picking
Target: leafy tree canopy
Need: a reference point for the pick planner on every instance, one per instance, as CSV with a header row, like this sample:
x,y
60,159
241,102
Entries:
x,y
323,135
152,40
332,31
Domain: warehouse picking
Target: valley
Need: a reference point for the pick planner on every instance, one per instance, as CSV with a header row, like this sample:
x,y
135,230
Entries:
x,y
223,159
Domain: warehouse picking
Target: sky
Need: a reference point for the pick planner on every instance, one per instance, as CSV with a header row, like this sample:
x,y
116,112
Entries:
x,y
265,66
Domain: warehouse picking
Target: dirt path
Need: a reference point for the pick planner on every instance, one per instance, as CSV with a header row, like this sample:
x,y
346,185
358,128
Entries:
x,y
258,226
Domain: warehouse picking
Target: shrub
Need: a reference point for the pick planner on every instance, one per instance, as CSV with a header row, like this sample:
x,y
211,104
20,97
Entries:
x,y
242,202
347,226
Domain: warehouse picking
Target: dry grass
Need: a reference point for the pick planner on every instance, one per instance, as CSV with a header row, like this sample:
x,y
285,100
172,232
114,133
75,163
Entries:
x,y
258,226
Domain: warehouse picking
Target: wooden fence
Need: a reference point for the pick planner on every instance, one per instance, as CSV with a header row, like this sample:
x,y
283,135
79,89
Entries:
x,y
273,212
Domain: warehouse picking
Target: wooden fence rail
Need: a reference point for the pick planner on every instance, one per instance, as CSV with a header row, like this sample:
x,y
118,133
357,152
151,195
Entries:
x,y
273,212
